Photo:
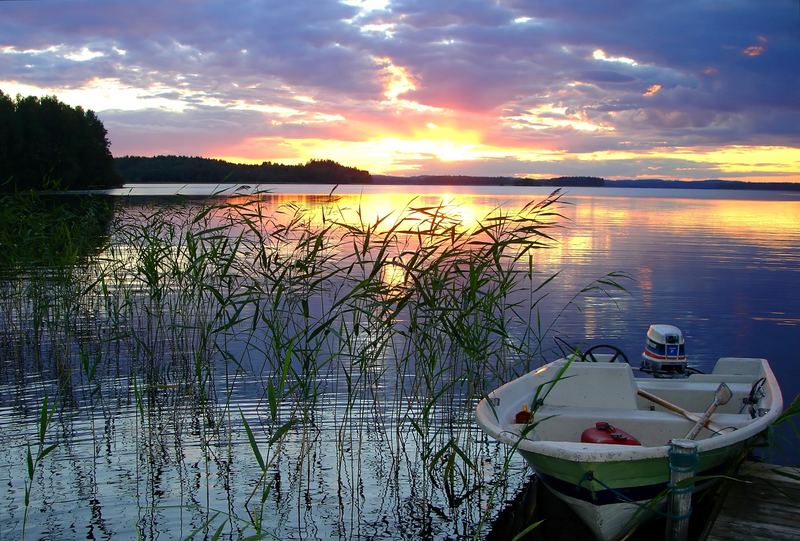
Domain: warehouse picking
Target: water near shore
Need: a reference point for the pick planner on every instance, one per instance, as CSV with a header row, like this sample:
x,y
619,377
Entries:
x,y
280,364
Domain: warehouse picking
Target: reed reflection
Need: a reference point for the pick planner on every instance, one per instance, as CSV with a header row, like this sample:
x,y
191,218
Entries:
x,y
361,335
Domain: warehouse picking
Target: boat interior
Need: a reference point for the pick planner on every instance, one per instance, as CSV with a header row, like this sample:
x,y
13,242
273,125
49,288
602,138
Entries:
x,y
593,392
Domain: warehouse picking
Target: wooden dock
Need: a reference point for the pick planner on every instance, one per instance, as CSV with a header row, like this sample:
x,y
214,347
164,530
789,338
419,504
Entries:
x,y
764,507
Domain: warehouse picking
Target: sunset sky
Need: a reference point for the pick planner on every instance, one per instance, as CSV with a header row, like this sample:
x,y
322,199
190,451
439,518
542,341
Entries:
x,y
620,89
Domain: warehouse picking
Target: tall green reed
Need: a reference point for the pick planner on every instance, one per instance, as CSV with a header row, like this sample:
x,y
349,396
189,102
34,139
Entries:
x,y
387,328
789,419
42,450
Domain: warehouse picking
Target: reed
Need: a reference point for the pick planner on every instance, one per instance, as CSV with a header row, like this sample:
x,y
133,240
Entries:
x,y
369,342
42,450
787,424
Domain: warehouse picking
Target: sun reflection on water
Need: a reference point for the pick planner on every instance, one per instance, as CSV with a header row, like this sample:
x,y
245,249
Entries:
x,y
721,269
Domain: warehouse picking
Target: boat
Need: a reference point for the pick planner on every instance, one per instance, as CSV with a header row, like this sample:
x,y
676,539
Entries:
x,y
597,432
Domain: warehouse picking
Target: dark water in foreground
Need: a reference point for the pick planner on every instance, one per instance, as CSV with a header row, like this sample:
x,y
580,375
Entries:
x,y
382,447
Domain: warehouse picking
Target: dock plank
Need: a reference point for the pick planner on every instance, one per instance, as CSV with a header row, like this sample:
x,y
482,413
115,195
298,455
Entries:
x,y
762,507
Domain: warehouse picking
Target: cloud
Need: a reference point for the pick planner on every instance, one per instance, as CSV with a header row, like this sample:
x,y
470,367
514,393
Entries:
x,y
556,75
653,89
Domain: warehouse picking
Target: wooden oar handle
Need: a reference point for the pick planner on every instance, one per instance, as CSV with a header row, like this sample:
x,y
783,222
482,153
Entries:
x,y
679,410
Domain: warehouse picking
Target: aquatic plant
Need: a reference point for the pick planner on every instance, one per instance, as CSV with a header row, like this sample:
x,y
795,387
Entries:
x,y
291,348
42,450
790,417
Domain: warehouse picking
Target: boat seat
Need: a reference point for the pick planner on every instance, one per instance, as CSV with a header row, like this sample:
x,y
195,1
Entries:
x,y
652,428
595,385
695,394
719,378
740,365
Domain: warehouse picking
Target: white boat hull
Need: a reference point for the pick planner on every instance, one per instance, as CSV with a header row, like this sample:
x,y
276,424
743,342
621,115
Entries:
x,y
600,481
606,521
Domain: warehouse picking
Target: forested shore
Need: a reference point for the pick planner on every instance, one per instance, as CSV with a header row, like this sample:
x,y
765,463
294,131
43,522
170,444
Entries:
x,y
48,145
196,169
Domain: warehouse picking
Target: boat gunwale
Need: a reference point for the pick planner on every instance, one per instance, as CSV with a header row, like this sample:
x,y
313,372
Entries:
x,y
591,452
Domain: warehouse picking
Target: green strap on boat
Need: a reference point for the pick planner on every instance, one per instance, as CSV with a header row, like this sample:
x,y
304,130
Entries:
x,y
683,462
589,476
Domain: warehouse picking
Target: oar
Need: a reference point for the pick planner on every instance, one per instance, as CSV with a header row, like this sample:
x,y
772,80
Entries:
x,y
721,397
679,410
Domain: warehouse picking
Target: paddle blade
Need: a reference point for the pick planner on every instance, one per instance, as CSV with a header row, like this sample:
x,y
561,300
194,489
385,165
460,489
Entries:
x,y
723,394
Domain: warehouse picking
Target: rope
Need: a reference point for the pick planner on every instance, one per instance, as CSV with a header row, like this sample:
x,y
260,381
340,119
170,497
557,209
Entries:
x,y
682,462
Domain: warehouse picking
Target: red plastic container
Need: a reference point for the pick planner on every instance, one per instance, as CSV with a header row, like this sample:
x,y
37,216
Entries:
x,y
603,432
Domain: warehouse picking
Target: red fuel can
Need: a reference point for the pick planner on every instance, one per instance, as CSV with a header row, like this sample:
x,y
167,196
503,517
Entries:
x,y
603,432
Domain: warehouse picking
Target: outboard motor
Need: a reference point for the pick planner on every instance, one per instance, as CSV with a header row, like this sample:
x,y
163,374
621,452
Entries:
x,y
664,354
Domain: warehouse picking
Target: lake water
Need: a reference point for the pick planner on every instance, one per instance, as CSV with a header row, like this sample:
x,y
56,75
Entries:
x,y
364,429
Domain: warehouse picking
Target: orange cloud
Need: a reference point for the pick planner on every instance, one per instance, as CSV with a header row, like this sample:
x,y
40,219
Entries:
x,y
396,79
652,90
551,115
753,50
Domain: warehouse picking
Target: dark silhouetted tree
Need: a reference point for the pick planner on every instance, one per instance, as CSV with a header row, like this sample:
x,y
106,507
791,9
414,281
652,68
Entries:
x,y
6,130
188,169
46,144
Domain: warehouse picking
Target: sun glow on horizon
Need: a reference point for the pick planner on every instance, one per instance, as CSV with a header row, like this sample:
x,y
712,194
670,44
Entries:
x,y
420,139
728,159
387,154
431,144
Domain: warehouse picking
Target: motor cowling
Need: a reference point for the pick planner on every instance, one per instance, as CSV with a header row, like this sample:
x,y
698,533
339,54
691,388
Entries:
x,y
664,352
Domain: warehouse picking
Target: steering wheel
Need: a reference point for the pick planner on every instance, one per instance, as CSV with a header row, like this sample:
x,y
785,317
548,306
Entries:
x,y
588,355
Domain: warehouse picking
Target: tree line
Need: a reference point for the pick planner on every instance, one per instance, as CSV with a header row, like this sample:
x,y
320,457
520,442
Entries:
x,y
194,169
46,144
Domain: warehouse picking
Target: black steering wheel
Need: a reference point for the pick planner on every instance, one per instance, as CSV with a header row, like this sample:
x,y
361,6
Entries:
x,y
588,355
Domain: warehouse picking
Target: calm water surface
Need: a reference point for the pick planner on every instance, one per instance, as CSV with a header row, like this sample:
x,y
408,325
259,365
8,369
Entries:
x,y
152,459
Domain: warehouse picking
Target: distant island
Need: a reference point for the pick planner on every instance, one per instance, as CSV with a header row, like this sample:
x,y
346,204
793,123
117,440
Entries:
x,y
171,169
586,182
